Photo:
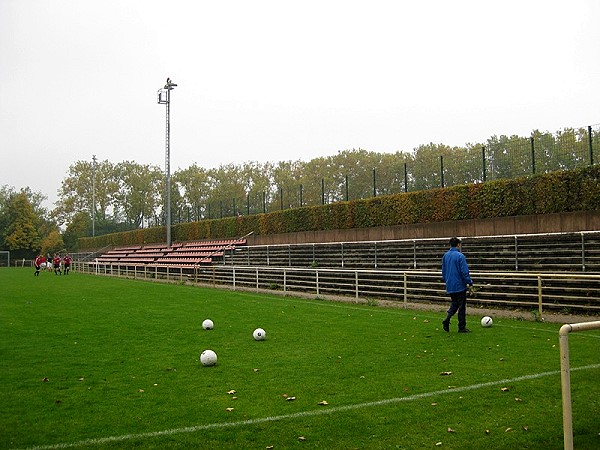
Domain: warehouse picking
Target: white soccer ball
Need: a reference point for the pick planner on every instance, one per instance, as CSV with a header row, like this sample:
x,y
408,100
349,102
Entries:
x,y
208,324
486,322
208,358
259,334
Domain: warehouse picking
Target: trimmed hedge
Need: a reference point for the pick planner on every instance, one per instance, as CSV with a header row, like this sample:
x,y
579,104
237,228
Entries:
x,y
555,192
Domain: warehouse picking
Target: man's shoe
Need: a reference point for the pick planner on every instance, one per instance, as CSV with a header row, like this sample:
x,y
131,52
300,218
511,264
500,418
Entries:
x,y
446,325
464,330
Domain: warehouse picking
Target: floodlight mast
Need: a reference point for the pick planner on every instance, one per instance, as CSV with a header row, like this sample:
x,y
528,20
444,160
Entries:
x,y
93,195
164,98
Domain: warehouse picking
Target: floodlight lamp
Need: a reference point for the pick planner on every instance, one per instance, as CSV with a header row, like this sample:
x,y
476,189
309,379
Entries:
x,y
162,97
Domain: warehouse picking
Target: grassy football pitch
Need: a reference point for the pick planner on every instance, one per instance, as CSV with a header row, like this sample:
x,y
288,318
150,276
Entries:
x,y
93,362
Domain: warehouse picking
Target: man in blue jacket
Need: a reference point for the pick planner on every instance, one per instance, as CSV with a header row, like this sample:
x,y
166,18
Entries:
x,y
455,273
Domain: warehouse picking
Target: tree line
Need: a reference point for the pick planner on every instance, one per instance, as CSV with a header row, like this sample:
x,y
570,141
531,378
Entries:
x,y
104,197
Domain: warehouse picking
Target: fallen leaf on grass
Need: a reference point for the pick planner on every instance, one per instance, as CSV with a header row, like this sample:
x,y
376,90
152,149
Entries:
x,y
290,399
517,399
301,438
45,380
323,402
438,444
505,389
450,430
434,404
228,409
487,431
231,392
445,373
526,428
508,429
140,390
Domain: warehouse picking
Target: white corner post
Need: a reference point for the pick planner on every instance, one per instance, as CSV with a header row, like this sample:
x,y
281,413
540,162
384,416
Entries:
x,y
565,376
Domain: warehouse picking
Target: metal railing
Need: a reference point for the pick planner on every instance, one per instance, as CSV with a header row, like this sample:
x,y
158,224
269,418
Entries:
x,y
537,292
547,252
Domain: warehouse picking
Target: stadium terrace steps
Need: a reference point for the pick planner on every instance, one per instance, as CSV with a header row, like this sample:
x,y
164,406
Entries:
x,y
560,252
182,254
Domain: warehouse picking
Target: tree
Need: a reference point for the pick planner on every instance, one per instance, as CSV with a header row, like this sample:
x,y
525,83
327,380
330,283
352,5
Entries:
x,y
52,244
194,183
139,194
287,177
86,186
21,234
80,226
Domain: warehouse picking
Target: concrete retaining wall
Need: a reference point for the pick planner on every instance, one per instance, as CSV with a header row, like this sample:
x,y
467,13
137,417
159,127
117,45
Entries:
x,y
548,223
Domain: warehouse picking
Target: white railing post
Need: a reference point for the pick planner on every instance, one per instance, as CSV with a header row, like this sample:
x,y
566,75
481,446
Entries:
x,y
540,295
405,292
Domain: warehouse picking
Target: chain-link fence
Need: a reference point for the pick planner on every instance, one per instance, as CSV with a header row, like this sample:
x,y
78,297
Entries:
x,y
428,167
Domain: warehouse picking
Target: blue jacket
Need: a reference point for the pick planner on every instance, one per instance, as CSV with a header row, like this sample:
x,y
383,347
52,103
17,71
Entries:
x,y
455,271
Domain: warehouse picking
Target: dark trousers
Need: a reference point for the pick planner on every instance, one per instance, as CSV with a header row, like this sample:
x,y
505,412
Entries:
x,y
459,304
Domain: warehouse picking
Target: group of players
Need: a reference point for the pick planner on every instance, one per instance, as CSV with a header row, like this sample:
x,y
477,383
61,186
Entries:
x,y
54,264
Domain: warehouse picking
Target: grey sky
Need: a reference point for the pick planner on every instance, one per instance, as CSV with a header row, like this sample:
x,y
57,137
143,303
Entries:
x,y
282,80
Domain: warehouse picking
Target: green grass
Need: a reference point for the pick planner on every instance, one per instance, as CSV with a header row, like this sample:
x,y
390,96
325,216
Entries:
x,y
121,362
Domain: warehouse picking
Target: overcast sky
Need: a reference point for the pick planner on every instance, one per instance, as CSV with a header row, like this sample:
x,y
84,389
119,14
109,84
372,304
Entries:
x,y
282,80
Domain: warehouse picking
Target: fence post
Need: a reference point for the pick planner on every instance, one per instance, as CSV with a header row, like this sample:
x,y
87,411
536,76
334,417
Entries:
x,y
374,185
347,197
532,155
590,141
483,163
281,198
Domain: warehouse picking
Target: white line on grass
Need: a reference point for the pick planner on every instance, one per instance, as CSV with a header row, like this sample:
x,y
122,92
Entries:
x,y
312,413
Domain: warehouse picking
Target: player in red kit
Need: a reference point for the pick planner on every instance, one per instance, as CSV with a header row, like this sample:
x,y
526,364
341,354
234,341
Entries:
x,y
56,264
67,263
38,264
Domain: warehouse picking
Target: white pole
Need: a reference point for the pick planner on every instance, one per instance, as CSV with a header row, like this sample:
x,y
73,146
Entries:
x,y
565,376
